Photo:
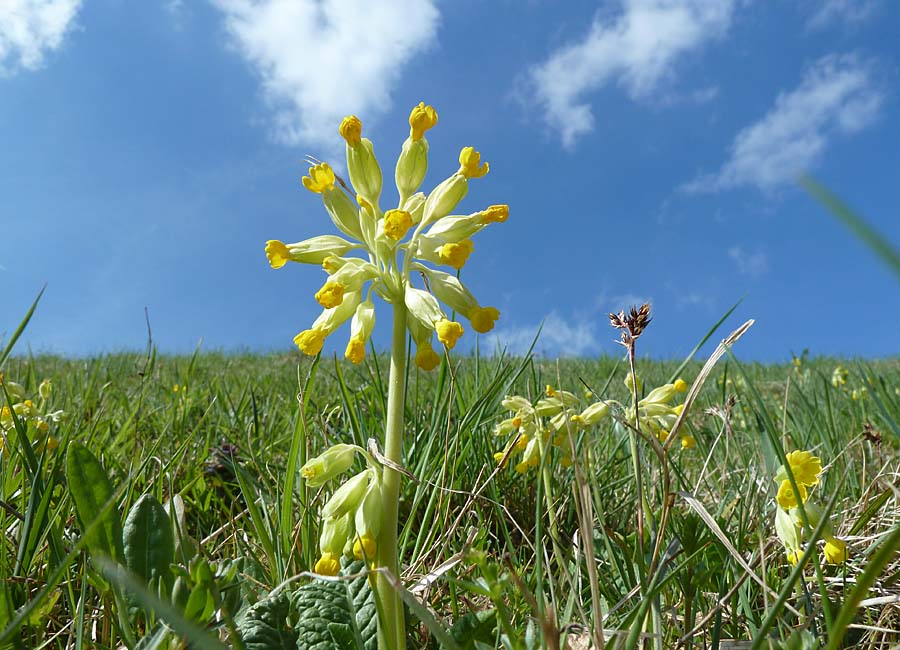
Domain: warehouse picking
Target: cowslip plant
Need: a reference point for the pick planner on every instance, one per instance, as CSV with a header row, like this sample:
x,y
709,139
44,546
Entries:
x,y
381,253
805,469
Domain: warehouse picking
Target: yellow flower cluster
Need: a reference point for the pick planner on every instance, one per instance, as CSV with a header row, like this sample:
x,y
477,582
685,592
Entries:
x,y
396,245
351,518
35,417
805,468
532,428
656,414
839,376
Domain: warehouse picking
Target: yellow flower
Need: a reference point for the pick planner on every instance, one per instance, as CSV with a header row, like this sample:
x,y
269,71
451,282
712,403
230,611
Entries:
x,y
470,164
421,118
330,295
786,497
482,319
397,223
310,341
448,332
836,551
804,466
320,179
426,358
688,441
495,214
360,330
351,130
327,565
455,255
364,547
277,253
680,385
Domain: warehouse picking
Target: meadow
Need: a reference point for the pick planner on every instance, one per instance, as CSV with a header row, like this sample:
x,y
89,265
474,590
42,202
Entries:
x,y
490,556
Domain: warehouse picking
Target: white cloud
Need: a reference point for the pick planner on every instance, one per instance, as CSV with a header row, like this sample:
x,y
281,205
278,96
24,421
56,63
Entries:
x,y
558,337
838,96
841,12
749,264
319,60
31,28
639,49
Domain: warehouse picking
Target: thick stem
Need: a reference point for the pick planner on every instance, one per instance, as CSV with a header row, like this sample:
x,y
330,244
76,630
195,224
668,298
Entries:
x,y
391,634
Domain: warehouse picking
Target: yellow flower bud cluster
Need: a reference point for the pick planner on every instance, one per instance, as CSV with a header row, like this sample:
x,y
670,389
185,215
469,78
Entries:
x,y
351,518
396,245
805,468
35,418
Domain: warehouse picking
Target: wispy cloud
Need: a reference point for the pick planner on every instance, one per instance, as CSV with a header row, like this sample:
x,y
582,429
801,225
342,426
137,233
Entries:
x,y
749,264
639,48
841,12
321,60
559,336
838,96
29,29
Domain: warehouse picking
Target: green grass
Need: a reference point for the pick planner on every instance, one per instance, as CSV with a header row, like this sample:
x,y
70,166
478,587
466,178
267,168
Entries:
x,y
224,445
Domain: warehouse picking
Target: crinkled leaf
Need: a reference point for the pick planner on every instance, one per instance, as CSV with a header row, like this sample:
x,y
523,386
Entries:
x,y
149,545
265,626
93,496
474,627
337,614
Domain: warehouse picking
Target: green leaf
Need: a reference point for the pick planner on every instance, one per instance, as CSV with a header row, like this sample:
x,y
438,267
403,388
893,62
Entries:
x,y
264,626
94,500
473,628
337,614
148,542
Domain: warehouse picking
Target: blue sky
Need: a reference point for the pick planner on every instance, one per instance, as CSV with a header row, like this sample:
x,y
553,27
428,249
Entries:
x,y
648,149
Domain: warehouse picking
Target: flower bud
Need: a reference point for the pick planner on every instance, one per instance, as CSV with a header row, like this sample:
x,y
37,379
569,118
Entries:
x,y
411,166
445,197
347,497
594,413
660,395
45,389
423,306
365,173
787,532
334,461
415,205
368,521
343,212
334,534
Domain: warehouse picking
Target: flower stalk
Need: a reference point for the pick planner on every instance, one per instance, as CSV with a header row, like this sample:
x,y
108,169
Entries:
x,y
392,633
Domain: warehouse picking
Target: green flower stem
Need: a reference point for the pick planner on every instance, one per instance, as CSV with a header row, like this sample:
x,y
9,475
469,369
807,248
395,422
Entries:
x,y
391,633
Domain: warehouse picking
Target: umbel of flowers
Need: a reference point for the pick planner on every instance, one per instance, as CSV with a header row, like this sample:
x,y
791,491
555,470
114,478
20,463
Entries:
x,y
410,256
805,469
35,417
382,251
533,428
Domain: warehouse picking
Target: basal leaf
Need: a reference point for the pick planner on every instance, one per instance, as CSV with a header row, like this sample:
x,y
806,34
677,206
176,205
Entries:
x,y
94,500
148,542
337,614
